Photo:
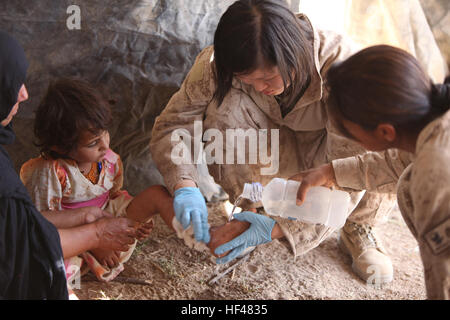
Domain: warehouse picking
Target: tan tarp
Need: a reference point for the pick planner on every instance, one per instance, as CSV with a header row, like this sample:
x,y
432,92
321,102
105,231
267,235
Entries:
x,y
400,23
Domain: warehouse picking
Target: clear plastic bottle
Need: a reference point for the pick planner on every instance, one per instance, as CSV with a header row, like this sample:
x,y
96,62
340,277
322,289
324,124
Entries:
x,y
322,205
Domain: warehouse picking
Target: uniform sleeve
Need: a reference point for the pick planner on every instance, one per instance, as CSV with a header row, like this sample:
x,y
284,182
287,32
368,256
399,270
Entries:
x,y
334,48
184,108
430,196
43,179
372,171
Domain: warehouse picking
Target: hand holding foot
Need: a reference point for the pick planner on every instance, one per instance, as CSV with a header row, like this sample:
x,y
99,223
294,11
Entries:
x,y
259,232
222,234
115,233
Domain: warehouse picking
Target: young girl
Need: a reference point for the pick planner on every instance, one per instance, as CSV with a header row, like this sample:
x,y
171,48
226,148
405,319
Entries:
x,y
77,169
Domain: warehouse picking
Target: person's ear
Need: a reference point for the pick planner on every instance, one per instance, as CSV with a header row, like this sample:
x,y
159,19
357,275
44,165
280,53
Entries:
x,y
386,132
23,94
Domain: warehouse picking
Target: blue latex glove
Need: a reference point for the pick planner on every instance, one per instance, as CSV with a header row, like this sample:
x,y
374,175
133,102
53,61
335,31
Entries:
x,y
259,232
190,207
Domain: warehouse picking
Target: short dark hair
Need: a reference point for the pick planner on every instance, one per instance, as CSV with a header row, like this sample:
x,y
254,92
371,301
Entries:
x,y
262,33
385,84
69,107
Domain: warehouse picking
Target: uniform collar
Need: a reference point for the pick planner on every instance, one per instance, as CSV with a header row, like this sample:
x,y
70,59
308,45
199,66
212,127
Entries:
x,y
432,129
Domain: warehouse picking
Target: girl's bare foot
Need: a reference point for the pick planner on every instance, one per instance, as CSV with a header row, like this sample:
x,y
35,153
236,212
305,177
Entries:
x,y
225,233
107,258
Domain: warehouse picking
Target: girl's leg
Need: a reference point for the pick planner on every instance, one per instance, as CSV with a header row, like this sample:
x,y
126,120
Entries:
x,y
155,199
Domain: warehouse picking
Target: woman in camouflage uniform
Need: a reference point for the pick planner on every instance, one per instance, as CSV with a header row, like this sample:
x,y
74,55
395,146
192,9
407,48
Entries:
x,y
265,71
383,99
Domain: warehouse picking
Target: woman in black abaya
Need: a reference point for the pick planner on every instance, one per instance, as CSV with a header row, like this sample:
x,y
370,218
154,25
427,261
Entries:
x,y
31,258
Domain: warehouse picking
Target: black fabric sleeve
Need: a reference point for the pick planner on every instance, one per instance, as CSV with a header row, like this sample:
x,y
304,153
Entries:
x,y
31,259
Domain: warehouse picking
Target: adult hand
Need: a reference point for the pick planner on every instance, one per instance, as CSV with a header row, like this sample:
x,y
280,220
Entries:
x,y
225,233
115,233
259,232
190,207
320,176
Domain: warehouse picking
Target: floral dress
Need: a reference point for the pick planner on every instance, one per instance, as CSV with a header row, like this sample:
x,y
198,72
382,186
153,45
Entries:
x,y
58,184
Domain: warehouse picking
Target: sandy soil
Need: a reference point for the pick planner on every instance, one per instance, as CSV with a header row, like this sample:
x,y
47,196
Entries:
x,y
176,272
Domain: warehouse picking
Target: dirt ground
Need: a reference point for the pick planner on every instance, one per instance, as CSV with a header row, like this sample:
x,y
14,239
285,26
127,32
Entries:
x,y
175,271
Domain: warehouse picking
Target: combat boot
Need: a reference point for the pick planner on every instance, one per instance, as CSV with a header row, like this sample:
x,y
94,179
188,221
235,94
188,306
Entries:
x,y
370,260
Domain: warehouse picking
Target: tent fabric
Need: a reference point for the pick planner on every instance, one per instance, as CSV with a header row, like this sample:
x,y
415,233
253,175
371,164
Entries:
x,y
400,23
139,52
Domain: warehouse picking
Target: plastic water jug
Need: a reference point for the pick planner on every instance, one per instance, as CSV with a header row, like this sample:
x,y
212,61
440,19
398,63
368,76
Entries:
x,y
321,206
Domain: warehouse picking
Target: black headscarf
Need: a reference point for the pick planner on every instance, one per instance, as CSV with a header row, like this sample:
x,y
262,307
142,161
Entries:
x,y
31,263
13,69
